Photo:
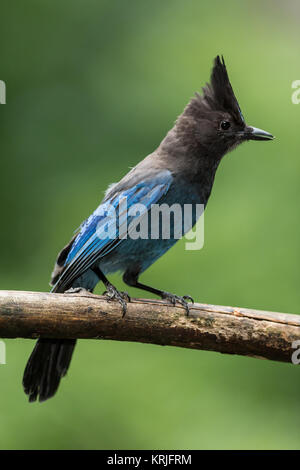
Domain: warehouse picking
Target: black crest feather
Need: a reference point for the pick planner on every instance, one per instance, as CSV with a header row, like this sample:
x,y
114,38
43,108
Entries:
x,y
218,95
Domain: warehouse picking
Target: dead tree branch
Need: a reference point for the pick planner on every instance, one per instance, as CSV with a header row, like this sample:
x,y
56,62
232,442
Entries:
x,y
247,332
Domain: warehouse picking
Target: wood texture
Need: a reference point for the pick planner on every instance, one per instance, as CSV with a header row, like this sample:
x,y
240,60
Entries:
x,y
255,333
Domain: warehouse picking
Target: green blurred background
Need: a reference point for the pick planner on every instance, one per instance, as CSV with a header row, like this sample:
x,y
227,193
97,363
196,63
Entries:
x,y
93,87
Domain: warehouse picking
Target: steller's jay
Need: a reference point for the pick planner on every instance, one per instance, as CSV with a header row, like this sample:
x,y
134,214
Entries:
x,y
181,170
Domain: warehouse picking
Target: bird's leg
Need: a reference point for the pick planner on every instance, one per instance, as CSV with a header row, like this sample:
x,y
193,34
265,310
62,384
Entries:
x,y
132,280
112,292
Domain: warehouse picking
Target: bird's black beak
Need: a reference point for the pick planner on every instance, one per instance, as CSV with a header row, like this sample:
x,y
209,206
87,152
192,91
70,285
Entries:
x,y
253,133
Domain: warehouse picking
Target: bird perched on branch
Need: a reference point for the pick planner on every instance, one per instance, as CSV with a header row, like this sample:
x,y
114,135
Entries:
x,y
180,171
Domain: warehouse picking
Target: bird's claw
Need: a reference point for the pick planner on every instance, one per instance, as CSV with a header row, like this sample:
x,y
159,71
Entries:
x,y
173,298
122,297
126,296
189,298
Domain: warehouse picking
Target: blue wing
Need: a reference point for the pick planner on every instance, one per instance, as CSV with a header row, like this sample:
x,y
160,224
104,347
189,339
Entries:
x,y
102,231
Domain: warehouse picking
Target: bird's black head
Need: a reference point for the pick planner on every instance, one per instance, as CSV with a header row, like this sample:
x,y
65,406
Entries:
x,y
213,122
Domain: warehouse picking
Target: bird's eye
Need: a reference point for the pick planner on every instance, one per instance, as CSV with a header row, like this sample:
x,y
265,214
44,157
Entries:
x,y
225,125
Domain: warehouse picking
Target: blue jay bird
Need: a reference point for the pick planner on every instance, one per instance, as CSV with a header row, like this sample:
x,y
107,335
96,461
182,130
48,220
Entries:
x,y
181,170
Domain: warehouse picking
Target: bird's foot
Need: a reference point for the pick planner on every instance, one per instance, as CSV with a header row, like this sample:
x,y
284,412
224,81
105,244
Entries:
x,y
178,299
122,297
